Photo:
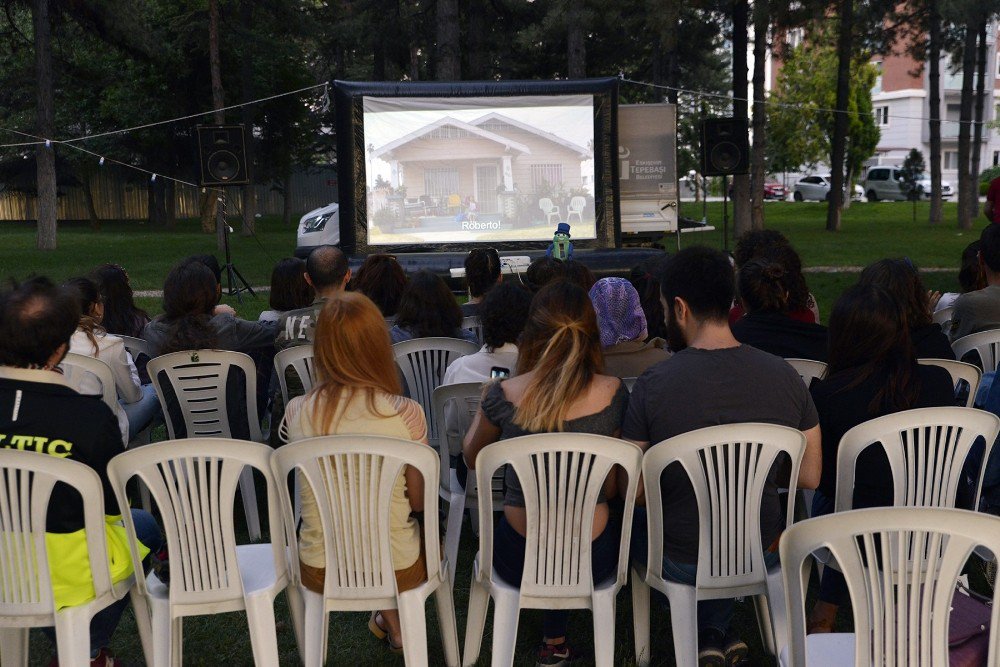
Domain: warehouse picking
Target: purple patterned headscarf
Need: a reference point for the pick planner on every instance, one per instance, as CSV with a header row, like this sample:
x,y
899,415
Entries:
x,y
619,313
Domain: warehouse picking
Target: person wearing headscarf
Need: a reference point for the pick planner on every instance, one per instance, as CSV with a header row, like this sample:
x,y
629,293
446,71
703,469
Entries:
x,y
622,324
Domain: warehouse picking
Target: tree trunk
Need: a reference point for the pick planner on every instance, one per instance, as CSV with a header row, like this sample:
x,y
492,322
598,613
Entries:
x,y
286,198
965,123
449,55
576,48
45,157
170,204
88,194
934,83
838,148
414,63
247,113
976,148
758,161
208,203
741,182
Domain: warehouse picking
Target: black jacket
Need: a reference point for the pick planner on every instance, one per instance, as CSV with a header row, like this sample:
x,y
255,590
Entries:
x,y
782,336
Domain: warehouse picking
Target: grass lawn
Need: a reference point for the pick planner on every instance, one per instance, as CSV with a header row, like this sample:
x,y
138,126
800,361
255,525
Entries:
x,y
870,232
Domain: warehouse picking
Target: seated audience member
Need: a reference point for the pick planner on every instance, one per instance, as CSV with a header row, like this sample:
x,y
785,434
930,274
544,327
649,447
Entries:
x,y
558,387
137,403
712,379
503,313
900,279
428,309
763,292
37,321
542,271
579,274
121,316
646,279
482,273
289,289
358,392
970,277
871,372
773,245
327,273
980,310
381,279
623,329
189,298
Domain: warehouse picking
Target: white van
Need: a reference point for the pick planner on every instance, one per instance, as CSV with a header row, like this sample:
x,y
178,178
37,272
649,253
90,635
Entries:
x,y
887,183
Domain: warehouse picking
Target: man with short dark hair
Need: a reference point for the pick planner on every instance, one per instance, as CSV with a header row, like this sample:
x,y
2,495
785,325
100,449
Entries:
x,y
980,310
482,273
327,272
712,379
39,412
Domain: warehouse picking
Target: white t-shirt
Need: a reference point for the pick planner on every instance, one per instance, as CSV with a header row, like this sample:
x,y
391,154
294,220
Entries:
x,y
477,367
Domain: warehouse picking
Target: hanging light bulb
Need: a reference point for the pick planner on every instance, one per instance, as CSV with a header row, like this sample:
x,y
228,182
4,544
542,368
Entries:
x,y
48,143
153,179
101,162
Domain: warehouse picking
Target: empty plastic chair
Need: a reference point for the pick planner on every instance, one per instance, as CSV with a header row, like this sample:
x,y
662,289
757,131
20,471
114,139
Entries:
x,y
193,483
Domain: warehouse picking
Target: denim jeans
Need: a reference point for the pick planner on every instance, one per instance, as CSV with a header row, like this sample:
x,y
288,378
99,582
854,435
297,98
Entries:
x,y
508,561
141,413
712,614
103,625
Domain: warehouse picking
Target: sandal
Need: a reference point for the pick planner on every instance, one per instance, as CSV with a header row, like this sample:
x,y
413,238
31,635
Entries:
x,y
381,634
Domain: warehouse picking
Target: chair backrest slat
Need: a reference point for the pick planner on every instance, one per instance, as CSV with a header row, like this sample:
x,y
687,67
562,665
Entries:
x,y
423,362
200,379
352,478
27,480
900,565
728,467
300,359
193,484
926,448
561,477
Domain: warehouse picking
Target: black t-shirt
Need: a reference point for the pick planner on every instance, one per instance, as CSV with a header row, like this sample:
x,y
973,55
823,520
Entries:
x,y
53,419
781,335
696,388
841,409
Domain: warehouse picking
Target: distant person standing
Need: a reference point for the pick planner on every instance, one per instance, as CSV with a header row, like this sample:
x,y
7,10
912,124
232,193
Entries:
x,y
990,209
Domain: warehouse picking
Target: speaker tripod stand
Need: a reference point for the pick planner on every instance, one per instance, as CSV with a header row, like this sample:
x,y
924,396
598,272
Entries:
x,y
230,270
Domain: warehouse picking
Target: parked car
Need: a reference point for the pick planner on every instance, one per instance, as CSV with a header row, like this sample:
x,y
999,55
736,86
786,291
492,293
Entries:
x,y
318,227
887,183
775,190
817,188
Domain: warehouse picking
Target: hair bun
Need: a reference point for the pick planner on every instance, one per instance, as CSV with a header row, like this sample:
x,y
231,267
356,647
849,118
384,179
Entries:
x,y
774,271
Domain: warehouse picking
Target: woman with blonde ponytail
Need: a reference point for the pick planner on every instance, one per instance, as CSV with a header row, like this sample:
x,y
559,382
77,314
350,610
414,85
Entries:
x,y
558,386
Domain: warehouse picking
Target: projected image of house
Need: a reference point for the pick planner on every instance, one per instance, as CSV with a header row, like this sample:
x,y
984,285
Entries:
x,y
492,174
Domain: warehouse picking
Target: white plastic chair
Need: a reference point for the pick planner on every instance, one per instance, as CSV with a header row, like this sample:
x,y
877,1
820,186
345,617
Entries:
x,y
136,346
561,475
943,318
354,513
959,371
299,358
423,362
576,206
455,406
26,598
808,369
193,483
728,467
198,379
985,343
901,565
76,365
473,324
926,449
549,210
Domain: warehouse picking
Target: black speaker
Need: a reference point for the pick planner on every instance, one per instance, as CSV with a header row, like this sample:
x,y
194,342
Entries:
x,y
725,147
222,154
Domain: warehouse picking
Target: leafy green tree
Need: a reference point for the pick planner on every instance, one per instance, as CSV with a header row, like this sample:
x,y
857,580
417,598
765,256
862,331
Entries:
x,y
910,172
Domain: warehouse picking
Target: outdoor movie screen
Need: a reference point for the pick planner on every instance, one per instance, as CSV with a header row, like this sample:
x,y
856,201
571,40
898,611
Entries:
x,y
478,169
